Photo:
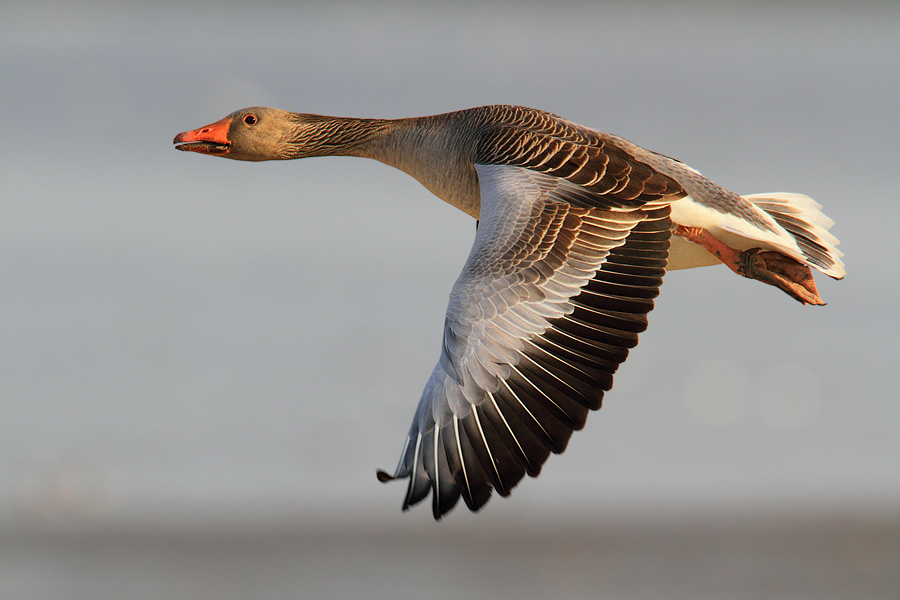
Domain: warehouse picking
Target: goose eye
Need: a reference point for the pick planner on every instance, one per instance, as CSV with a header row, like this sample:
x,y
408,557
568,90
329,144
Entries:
x,y
250,120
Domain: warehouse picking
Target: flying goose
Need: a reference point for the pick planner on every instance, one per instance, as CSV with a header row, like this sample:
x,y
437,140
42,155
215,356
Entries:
x,y
575,230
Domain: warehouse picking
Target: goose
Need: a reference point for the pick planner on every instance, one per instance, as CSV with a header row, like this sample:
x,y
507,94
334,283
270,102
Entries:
x,y
575,230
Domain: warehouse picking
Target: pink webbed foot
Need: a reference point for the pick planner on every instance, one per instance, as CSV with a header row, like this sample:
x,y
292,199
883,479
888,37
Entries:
x,y
774,268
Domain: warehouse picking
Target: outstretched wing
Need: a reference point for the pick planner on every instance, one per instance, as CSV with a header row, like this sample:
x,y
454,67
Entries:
x,y
552,297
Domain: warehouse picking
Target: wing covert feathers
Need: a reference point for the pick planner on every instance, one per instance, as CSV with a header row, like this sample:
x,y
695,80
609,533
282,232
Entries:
x,y
606,174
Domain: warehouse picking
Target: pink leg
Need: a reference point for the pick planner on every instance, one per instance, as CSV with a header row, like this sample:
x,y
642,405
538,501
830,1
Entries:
x,y
773,268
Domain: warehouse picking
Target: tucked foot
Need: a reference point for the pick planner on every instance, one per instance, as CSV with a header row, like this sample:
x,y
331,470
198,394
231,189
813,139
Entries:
x,y
783,272
774,268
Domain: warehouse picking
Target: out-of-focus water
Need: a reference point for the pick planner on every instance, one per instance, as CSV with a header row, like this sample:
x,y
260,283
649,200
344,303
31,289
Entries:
x,y
738,559
195,340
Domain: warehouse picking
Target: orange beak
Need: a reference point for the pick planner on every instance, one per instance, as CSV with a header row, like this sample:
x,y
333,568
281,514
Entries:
x,y
212,139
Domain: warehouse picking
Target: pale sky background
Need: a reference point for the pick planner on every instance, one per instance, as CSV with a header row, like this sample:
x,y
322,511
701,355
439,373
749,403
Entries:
x,y
187,339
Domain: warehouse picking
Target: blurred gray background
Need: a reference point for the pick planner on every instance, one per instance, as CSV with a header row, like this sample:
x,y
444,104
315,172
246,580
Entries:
x,y
203,362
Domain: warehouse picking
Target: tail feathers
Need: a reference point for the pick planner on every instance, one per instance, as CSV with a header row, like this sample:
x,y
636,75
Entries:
x,y
801,217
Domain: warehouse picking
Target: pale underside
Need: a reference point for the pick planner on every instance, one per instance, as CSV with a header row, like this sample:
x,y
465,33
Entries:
x,y
792,225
